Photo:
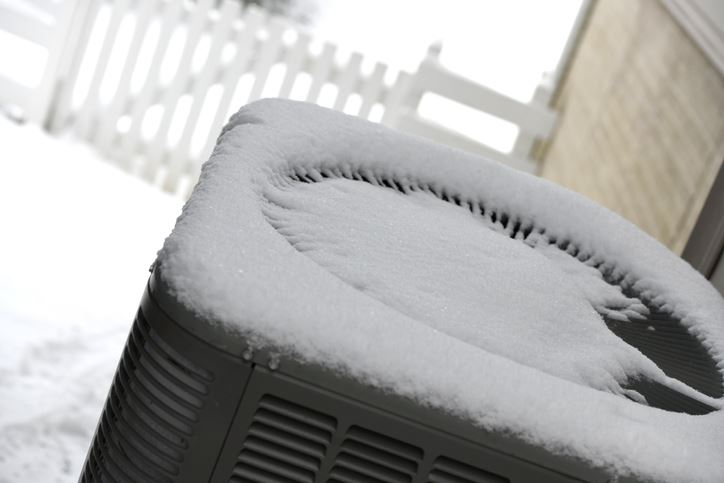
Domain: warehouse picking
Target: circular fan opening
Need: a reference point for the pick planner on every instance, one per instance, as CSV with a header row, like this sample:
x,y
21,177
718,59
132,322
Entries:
x,y
655,332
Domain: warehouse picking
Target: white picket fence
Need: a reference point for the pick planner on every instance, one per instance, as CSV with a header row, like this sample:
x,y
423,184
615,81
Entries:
x,y
151,82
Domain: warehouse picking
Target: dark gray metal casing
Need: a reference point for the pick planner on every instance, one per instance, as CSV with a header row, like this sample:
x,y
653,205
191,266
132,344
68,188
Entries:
x,y
191,402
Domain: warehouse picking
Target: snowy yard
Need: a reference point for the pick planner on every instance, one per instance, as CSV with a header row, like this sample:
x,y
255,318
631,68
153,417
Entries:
x,y
78,237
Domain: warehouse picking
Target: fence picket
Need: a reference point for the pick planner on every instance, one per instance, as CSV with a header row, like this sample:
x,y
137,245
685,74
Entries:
x,y
396,99
107,130
173,92
91,106
131,140
322,66
59,49
347,80
87,14
180,154
294,61
526,141
245,41
268,55
372,89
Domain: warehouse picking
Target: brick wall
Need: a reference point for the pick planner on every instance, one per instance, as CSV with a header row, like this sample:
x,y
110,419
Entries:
x,y
642,120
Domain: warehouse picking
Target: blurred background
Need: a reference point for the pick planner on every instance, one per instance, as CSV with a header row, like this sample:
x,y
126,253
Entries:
x,y
108,108
621,101
215,56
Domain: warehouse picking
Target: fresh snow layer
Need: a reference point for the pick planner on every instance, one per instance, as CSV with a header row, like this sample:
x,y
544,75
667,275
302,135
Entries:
x,y
418,296
77,239
433,262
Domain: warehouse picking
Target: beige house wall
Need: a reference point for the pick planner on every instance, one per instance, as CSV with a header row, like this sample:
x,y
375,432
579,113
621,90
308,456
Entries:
x,y
641,127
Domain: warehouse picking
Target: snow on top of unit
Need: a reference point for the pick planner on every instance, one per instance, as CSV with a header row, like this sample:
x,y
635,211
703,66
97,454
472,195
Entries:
x,y
343,243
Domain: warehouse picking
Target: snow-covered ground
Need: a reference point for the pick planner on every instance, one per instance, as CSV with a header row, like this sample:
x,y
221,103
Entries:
x,y
77,238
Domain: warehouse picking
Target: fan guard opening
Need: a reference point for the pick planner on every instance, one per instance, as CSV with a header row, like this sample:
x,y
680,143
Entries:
x,y
660,336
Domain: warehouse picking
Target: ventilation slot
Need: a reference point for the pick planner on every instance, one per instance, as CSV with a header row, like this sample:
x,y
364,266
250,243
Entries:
x,y
366,456
151,410
445,470
285,443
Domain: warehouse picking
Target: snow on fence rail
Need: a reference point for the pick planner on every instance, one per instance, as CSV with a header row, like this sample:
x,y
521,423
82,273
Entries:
x,y
150,82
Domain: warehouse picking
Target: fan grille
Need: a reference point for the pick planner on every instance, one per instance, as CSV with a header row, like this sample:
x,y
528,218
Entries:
x,y
369,456
660,336
150,412
446,470
287,442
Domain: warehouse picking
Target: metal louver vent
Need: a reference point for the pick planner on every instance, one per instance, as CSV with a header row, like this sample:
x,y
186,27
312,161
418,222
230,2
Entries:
x,y
372,457
446,470
150,412
285,442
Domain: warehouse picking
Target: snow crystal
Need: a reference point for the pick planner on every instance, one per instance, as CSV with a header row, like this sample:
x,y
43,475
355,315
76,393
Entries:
x,y
434,273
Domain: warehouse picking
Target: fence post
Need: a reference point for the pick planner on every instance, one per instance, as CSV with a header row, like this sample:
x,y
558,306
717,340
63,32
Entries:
x,y
405,95
525,142
42,97
79,32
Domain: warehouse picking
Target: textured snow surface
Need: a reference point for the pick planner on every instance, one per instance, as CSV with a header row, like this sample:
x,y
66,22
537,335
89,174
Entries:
x,y
431,261
77,239
400,289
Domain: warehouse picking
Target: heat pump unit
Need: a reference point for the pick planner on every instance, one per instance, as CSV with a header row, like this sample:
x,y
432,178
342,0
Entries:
x,y
342,303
